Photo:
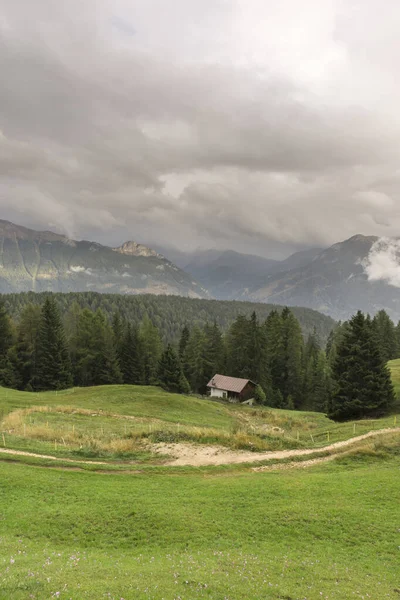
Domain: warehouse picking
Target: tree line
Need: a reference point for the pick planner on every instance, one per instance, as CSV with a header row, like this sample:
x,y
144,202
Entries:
x,y
168,313
347,379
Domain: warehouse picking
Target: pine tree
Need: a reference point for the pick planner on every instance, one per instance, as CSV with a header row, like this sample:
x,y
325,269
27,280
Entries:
x,y
6,335
118,328
106,366
293,352
194,361
274,358
237,345
185,335
152,349
320,385
24,358
131,358
363,386
386,335
170,373
259,395
53,366
311,357
214,351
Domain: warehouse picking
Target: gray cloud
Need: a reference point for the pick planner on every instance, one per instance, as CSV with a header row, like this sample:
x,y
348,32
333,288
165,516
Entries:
x,y
201,123
383,262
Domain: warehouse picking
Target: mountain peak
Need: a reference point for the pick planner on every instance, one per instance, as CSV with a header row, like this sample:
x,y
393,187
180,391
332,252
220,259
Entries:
x,y
134,249
361,238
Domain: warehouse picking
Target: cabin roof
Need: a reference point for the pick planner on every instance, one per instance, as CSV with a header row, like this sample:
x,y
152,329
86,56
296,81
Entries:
x,y
229,384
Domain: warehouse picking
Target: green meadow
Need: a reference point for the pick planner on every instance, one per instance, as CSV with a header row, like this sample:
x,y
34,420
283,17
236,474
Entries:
x,y
329,531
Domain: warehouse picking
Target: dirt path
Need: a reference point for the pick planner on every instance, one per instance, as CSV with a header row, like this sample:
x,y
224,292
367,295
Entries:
x,y
49,457
197,455
200,456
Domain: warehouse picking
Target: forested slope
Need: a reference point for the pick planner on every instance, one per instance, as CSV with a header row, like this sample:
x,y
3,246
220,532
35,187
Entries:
x,y
171,313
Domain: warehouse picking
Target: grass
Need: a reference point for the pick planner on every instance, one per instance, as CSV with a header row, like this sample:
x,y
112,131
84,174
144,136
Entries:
x,y
329,532
140,530
119,422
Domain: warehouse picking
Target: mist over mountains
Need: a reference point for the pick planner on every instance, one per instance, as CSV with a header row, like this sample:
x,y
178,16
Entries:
x,y
362,272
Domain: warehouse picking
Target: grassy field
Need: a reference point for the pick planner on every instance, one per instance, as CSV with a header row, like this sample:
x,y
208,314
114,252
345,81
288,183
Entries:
x,y
329,532
136,529
119,423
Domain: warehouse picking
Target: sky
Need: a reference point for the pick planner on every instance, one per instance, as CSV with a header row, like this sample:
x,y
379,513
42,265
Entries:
x,y
256,125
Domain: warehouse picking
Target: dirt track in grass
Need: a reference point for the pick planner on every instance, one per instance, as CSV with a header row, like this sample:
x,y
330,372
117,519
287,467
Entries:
x,y
197,455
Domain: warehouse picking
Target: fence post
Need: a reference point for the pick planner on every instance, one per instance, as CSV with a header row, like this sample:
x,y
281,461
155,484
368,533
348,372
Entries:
x,y
354,428
327,433
4,440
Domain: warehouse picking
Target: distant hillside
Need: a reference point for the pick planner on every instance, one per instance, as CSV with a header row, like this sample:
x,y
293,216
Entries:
x,y
171,313
333,282
45,261
228,274
231,275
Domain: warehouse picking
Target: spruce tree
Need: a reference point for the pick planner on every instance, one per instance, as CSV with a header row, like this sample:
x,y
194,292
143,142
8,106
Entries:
x,y
6,335
293,353
362,382
170,373
152,349
214,351
53,365
24,360
386,335
106,366
185,335
275,358
194,361
131,358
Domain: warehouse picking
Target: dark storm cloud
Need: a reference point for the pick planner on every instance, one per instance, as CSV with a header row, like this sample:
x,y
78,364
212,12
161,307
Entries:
x,y
197,125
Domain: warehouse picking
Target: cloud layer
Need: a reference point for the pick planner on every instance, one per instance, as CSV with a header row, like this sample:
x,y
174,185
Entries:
x,y
201,122
383,262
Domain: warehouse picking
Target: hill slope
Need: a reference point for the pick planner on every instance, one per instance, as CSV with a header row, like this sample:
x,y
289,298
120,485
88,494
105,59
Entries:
x,y
45,261
171,313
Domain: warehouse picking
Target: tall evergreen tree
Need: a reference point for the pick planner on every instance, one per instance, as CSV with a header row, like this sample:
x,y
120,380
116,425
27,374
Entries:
x,y
363,386
194,361
131,357
6,335
152,349
53,365
386,335
185,335
214,351
170,373
106,366
293,352
23,358
275,359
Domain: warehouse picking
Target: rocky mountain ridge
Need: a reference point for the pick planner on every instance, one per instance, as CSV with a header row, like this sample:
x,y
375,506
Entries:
x,y
46,261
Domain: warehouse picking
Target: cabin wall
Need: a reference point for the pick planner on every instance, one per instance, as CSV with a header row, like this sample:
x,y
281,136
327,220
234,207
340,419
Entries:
x,y
216,393
247,392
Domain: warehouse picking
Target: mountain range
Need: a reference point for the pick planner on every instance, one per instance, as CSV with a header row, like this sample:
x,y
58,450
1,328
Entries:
x,y
332,280
45,261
